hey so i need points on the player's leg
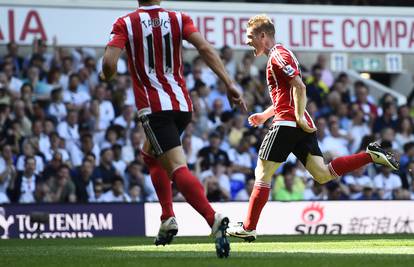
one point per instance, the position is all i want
(164, 136)
(163, 133)
(160, 180)
(309, 153)
(162, 184)
(260, 194)
(276, 147)
(258, 199)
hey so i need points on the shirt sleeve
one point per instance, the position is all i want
(188, 26)
(283, 63)
(119, 35)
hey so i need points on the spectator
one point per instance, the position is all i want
(53, 80)
(135, 193)
(237, 129)
(126, 119)
(221, 94)
(202, 92)
(135, 175)
(189, 151)
(67, 70)
(407, 156)
(133, 145)
(98, 193)
(357, 182)
(368, 192)
(213, 185)
(337, 191)
(14, 83)
(39, 138)
(119, 164)
(358, 128)
(212, 154)
(40, 89)
(106, 171)
(337, 143)
(8, 172)
(62, 188)
(326, 74)
(315, 192)
(82, 179)
(22, 189)
(106, 111)
(116, 193)
(287, 186)
(57, 108)
(242, 167)
(388, 118)
(21, 118)
(56, 145)
(226, 54)
(387, 184)
(361, 94)
(74, 96)
(407, 176)
(16, 59)
(28, 151)
(342, 86)
(404, 133)
(69, 129)
(246, 68)
(244, 194)
(53, 166)
(5, 95)
(215, 114)
(316, 89)
(26, 94)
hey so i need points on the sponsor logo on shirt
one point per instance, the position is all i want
(288, 70)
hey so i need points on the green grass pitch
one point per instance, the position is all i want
(292, 251)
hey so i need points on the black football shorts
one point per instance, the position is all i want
(280, 141)
(163, 129)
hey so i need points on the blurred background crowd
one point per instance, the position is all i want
(66, 136)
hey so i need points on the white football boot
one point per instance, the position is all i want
(380, 156)
(168, 230)
(237, 230)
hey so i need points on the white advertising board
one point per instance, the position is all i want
(290, 218)
(319, 29)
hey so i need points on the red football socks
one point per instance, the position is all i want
(162, 185)
(193, 193)
(257, 201)
(342, 165)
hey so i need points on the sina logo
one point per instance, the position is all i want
(312, 223)
(5, 224)
(312, 214)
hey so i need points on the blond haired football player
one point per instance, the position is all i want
(292, 130)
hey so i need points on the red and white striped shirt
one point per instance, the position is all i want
(282, 66)
(153, 37)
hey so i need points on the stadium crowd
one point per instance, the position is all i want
(66, 136)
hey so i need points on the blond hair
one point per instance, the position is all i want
(262, 23)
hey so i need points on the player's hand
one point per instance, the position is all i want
(303, 124)
(257, 119)
(103, 78)
(235, 98)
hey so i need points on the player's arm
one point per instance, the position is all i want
(260, 118)
(299, 97)
(109, 62)
(212, 59)
(113, 50)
